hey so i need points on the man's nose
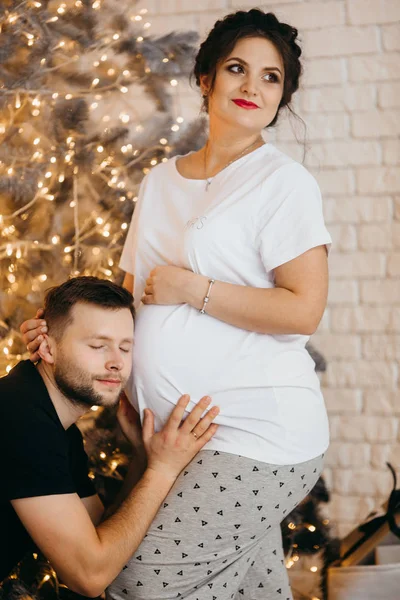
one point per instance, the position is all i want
(114, 361)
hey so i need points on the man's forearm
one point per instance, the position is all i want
(122, 533)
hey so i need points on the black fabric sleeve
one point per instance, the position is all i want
(35, 453)
(79, 464)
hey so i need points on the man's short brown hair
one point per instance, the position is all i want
(60, 299)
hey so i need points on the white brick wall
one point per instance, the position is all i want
(350, 101)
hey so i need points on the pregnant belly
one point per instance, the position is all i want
(178, 351)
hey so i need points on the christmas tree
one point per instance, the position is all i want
(89, 103)
(74, 145)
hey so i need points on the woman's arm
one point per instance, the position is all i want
(295, 305)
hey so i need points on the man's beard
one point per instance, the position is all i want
(77, 385)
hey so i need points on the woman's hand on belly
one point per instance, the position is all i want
(168, 284)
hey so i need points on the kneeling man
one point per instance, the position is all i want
(47, 499)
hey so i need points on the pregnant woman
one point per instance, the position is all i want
(227, 258)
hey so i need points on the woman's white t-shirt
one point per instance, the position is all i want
(261, 211)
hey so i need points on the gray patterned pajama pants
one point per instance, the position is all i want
(217, 535)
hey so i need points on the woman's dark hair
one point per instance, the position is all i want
(60, 299)
(244, 24)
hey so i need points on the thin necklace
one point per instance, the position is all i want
(209, 180)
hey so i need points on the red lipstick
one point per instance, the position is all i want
(245, 103)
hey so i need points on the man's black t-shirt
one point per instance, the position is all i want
(39, 457)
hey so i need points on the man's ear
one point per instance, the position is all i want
(46, 350)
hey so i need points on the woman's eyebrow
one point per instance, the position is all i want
(247, 64)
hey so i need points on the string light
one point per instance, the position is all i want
(58, 162)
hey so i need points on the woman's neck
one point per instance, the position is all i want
(224, 145)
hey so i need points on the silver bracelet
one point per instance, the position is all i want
(207, 296)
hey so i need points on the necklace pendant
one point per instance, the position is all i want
(207, 184)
